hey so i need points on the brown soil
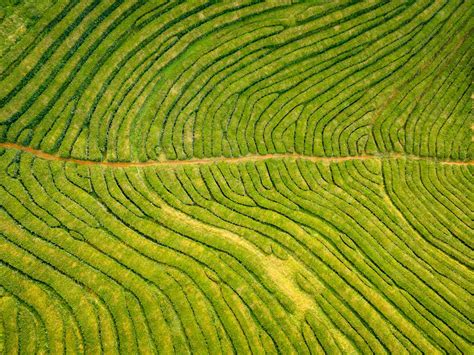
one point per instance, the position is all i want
(47, 156)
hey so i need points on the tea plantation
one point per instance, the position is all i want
(236, 177)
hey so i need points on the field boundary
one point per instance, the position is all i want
(247, 158)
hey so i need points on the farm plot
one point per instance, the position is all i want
(236, 177)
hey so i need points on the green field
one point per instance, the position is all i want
(236, 177)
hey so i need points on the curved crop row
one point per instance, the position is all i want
(236, 177)
(280, 255)
(142, 81)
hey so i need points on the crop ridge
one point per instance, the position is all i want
(210, 160)
(236, 177)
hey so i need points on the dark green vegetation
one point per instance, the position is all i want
(304, 180)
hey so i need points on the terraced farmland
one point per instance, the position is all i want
(236, 177)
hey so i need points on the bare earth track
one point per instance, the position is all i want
(253, 157)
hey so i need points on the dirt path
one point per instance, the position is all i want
(47, 156)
